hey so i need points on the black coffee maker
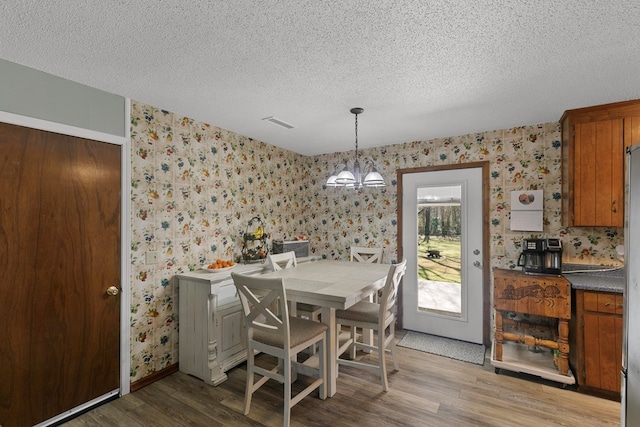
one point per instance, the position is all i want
(541, 256)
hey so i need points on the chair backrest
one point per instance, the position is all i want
(390, 291)
(262, 299)
(281, 261)
(363, 254)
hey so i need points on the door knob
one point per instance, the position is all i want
(113, 291)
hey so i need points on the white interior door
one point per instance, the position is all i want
(442, 242)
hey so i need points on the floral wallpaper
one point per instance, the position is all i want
(195, 187)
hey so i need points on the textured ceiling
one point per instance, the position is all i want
(420, 69)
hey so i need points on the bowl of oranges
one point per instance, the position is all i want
(219, 265)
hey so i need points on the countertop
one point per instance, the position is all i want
(212, 276)
(594, 277)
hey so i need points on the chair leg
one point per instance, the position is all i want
(287, 392)
(249, 387)
(392, 334)
(382, 360)
(322, 391)
(352, 348)
(293, 375)
(315, 317)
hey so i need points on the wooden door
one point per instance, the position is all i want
(60, 251)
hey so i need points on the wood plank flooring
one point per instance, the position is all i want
(428, 390)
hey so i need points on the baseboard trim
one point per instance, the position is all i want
(149, 379)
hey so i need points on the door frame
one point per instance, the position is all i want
(486, 259)
(125, 232)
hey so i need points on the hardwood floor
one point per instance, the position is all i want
(428, 390)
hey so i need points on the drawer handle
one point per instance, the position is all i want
(609, 304)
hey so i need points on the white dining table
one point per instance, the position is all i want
(331, 285)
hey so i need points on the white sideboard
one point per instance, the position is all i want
(211, 323)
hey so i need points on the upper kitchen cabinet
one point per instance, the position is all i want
(593, 146)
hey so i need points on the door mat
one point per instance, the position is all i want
(447, 347)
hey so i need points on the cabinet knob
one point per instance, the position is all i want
(614, 208)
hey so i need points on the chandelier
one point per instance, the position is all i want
(349, 179)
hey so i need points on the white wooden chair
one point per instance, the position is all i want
(280, 336)
(363, 254)
(373, 316)
(288, 260)
(281, 261)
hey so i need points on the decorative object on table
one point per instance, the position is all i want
(349, 179)
(219, 266)
(300, 246)
(254, 242)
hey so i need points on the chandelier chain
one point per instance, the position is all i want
(356, 137)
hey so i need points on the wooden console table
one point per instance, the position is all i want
(212, 337)
(211, 333)
(535, 295)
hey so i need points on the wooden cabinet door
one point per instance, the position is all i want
(593, 142)
(597, 346)
(598, 166)
(232, 336)
(631, 131)
(602, 351)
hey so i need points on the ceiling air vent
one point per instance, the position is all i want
(278, 122)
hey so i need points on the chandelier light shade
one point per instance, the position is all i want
(348, 179)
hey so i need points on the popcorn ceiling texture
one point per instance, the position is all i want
(195, 186)
(420, 69)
